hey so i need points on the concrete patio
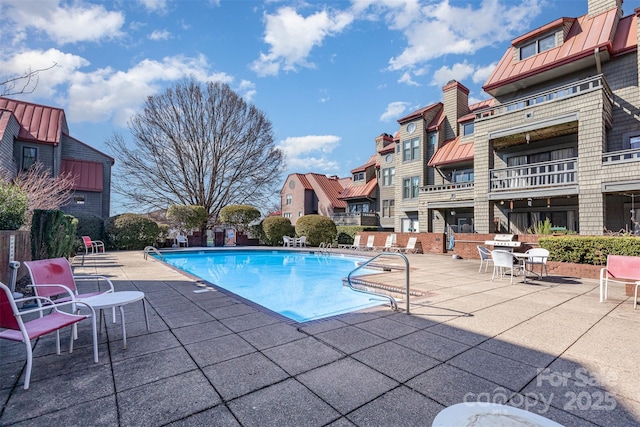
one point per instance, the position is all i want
(212, 359)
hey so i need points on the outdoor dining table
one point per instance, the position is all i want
(525, 259)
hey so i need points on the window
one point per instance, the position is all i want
(460, 176)
(388, 208)
(467, 128)
(289, 199)
(411, 150)
(29, 157)
(634, 142)
(388, 176)
(299, 214)
(538, 46)
(359, 207)
(631, 141)
(358, 176)
(78, 200)
(433, 139)
(287, 215)
(410, 187)
(415, 186)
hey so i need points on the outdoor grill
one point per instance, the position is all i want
(504, 241)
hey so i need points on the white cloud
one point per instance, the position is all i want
(160, 35)
(292, 37)
(108, 94)
(63, 23)
(482, 73)
(394, 110)
(247, 90)
(459, 72)
(159, 6)
(309, 152)
(433, 30)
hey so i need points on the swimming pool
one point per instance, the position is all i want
(302, 286)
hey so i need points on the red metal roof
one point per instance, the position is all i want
(585, 35)
(37, 122)
(419, 112)
(329, 187)
(388, 149)
(452, 152)
(626, 37)
(370, 162)
(359, 191)
(88, 175)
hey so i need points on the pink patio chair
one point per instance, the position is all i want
(92, 246)
(53, 278)
(16, 329)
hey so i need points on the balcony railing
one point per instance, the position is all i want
(557, 173)
(573, 89)
(622, 156)
(355, 218)
(447, 187)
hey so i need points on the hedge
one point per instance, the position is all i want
(589, 250)
(346, 233)
(275, 227)
(316, 228)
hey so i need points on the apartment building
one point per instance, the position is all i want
(312, 193)
(559, 139)
(360, 197)
(31, 133)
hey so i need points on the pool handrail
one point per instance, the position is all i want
(154, 250)
(394, 304)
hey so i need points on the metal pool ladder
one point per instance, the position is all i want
(394, 304)
(154, 250)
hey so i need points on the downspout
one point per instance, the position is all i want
(596, 54)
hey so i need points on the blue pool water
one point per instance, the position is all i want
(301, 286)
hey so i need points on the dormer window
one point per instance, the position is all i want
(467, 128)
(538, 46)
(358, 176)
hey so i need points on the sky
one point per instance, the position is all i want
(330, 75)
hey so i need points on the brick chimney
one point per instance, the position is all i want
(382, 141)
(456, 105)
(596, 7)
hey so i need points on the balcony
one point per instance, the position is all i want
(369, 219)
(446, 187)
(574, 89)
(554, 174)
(622, 156)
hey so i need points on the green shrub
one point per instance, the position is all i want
(90, 225)
(317, 228)
(53, 234)
(13, 206)
(132, 231)
(589, 250)
(187, 217)
(240, 216)
(276, 227)
(346, 233)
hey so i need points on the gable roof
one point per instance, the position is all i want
(419, 113)
(327, 188)
(452, 152)
(39, 123)
(359, 191)
(583, 38)
(370, 162)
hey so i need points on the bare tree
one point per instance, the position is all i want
(197, 145)
(43, 190)
(22, 83)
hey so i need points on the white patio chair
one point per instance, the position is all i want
(485, 258)
(502, 261)
(538, 256)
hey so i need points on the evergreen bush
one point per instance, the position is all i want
(275, 228)
(589, 250)
(317, 228)
(13, 206)
(132, 231)
(53, 234)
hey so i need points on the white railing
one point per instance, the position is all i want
(545, 174)
(578, 88)
(622, 156)
(447, 187)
